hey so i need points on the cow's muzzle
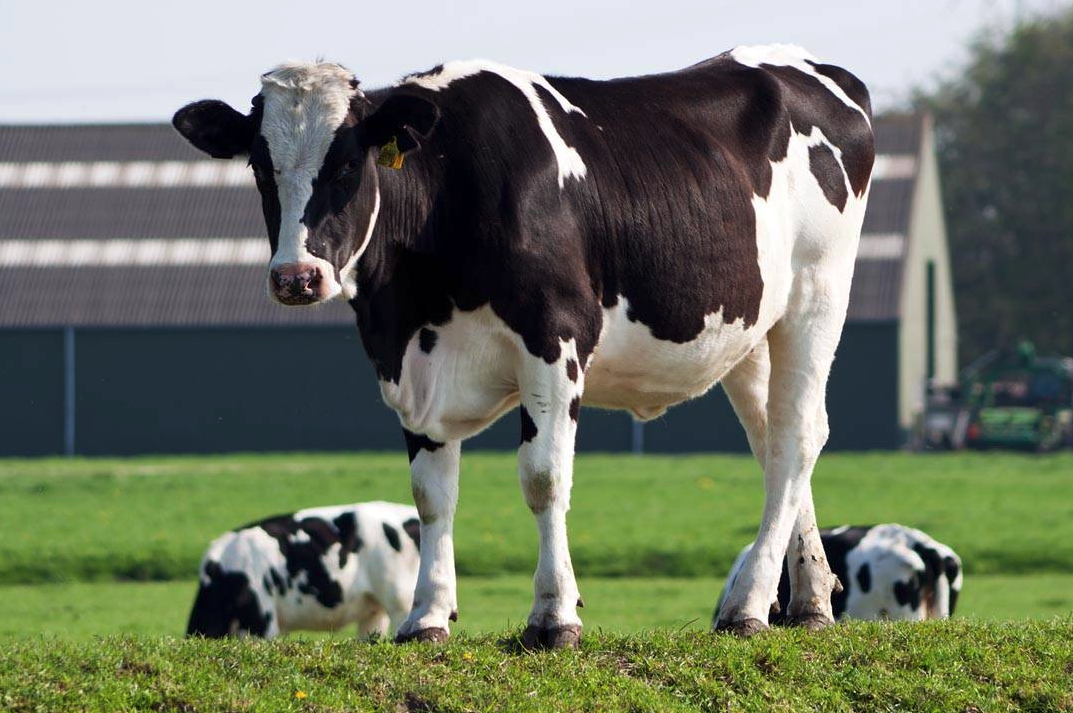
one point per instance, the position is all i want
(298, 284)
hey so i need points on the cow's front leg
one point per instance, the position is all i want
(550, 400)
(434, 479)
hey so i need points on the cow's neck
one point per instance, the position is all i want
(400, 285)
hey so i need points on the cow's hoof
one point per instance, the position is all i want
(744, 628)
(567, 636)
(811, 622)
(431, 635)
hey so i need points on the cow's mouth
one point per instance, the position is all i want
(301, 284)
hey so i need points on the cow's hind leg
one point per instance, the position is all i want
(550, 399)
(434, 479)
(801, 349)
(811, 580)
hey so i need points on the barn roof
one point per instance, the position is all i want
(126, 225)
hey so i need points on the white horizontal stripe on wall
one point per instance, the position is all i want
(240, 251)
(126, 174)
(881, 246)
(894, 166)
(134, 253)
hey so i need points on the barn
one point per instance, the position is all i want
(134, 315)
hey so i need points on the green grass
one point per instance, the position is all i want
(937, 666)
(151, 518)
(487, 604)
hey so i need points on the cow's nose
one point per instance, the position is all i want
(296, 282)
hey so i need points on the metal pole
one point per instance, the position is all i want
(69, 391)
(637, 437)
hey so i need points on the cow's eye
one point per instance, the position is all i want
(348, 169)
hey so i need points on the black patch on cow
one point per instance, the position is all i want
(416, 442)
(307, 556)
(226, 600)
(836, 547)
(952, 570)
(571, 369)
(412, 527)
(933, 568)
(908, 593)
(427, 340)
(853, 87)
(864, 578)
(810, 104)
(575, 408)
(392, 536)
(349, 539)
(529, 427)
(828, 172)
(278, 581)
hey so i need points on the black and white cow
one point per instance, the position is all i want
(555, 241)
(888, 572)
(319, 569)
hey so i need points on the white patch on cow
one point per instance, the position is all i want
(889, 552)
(793, 56)
(304, 105)
(348, 276)
(633, 370)
(464, 385)
(377, 582)
(569, 160)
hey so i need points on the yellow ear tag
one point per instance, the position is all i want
(390, 155)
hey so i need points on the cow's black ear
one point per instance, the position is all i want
(214, 127)
(405, 117)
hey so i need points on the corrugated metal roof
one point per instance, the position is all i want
(95, 142)
(218, 295)
(92, 197)
(130, 213)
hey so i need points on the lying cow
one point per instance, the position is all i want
(315, 570)
(887, 572)
(510, 241)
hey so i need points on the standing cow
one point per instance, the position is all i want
(318, 569)
(625, 243)
(887, 572)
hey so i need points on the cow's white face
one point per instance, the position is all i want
(312, 138)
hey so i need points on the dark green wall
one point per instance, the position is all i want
(217, 390)
(31, 392)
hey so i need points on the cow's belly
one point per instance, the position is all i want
(633, 370)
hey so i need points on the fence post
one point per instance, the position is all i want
(637, 437)
(69, 391)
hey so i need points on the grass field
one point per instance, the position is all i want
(936, 666)
(150, 519)
(82, 610)
(98, 548)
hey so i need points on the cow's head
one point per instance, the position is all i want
(313, 139)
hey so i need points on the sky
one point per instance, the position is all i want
(139, 60)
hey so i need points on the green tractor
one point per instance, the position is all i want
(1019, 400)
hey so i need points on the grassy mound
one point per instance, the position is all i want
(943, 666)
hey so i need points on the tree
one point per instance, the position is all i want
(1004, 134)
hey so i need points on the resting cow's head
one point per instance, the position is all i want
(313, 139)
